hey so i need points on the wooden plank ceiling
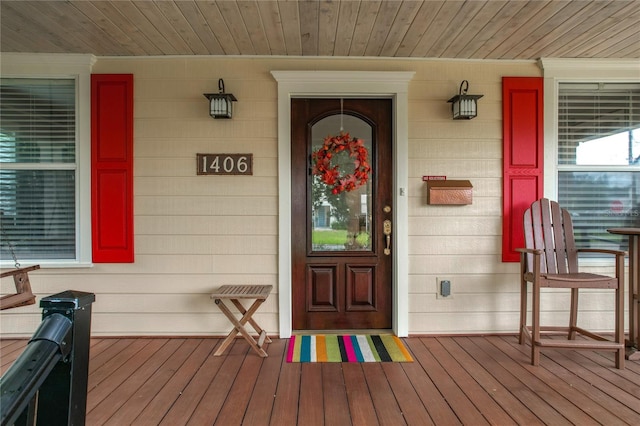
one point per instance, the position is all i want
(390, 28)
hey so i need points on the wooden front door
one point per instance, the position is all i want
(341, 236)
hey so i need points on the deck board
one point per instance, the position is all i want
(581, 392)
(111, 376)
(413, 409)
(508, 375)
(200, 363)
(454, 380)
(360, 401)
(238, 397)
(219, 388)
(334, 394)
(469, 385)
(611, 391)
(260, 406)
(384, 400)
(463, 408)
(439, 410)
(310, 405)
(9, 351)
(159, 380)
(533, 379)
(491, 385)
(285, 405)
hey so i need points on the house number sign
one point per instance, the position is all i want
(224, 164)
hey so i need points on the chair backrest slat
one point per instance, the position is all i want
(529, 239)
(559, 238)
(570, 242)
(549, 228)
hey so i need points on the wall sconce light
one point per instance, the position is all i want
(220, 104)
(463, 106)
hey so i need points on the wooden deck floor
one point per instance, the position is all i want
(454, 380)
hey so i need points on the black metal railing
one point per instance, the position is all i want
(47, 384)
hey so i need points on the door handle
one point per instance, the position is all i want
(386, 230)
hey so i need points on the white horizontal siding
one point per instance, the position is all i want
(184, 323)
(195, 233)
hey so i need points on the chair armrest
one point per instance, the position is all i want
(529, 257)
(619, 258)
(603, 251)
(529, 250)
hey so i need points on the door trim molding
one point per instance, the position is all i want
(379, 84)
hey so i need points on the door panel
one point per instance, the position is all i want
(322, 296)
(341, 262)
(361, 288)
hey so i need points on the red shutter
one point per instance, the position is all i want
(112, 167)
(523, 149)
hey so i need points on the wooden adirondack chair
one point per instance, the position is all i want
(550, 260)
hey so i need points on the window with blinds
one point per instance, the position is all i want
(599, 159)
(37, 169)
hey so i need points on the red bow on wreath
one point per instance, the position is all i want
(331, 174)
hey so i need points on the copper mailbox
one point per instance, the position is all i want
(452, 192)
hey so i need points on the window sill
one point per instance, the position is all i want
(48, 264)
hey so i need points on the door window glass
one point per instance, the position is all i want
(341, 214)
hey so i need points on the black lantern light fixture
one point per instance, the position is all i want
(220, 104)
(464, 106)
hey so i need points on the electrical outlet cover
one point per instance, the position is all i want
(442, 292)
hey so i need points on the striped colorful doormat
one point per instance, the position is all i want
(347, 348)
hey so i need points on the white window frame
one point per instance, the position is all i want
(78, 67)
(558, 71)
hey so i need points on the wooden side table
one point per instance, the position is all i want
(234, 293)
(633, 353)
